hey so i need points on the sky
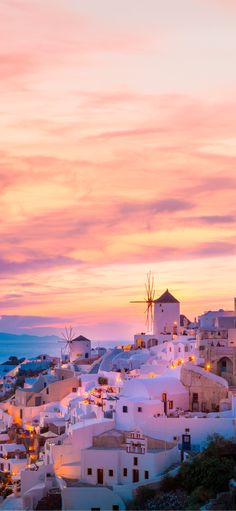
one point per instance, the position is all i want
(117, 157)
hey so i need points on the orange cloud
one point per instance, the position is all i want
(113, 159)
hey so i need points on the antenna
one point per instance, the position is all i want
(149, 300)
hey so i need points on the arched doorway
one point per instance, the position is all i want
(225, 368)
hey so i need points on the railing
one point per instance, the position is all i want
(135, 449)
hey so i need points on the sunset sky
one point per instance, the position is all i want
(117, 156)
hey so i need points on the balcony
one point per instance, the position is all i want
(135, 449)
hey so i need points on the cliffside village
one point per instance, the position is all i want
(88, 428)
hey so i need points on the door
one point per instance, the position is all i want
(135, 475)
(37, 400)
(99, 476)
(195, 403)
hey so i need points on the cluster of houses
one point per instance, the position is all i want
(86, 430)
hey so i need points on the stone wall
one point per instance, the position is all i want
(205, 393)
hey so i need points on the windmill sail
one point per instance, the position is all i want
(149, 300)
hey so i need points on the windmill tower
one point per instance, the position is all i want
(76, 348)
(149, 301)
(166, 316)
(162, 314)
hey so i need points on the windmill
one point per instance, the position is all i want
(67, 337)
(149, 300)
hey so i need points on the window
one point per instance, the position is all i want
(110, 473)
(146, 474)
(74, 389)
(164, 396)
(170, 405)
(170, 349)
(125, 409)
(21, 413)
(86, 355)
(135, 461)
(186, 430)
(115, 507)
(140, 409)
(89, 471)
(179, 350)
(47, 391)
(195, 397)
(95, 508)
(125, 472)
(9, 467)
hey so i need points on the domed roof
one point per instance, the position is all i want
(166, 297)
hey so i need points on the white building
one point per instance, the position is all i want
(80, 348)
(125, 460)
(166, 315)
(144, 398)
(64, 453)
(210, 319)
(13, 458)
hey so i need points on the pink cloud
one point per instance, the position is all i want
(102, 163)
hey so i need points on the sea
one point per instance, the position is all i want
(30, 348)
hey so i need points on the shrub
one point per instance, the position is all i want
(142, 495)
(7, 492)
(198, 497)
(170, 483)
(213, 472)
(218, 446)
